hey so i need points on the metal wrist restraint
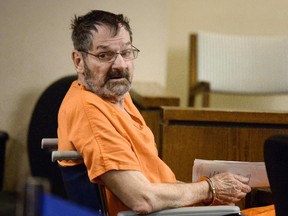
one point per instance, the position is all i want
(211, 187)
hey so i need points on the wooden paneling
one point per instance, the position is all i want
(187, 134)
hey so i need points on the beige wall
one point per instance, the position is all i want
(35, 49)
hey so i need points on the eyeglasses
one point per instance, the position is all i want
(110, 56)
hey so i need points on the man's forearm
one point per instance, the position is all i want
(138, 194)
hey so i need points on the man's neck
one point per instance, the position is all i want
(118, 102)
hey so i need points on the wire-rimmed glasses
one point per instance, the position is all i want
(110, 56)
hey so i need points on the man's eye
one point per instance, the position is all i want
(105, 55)
(126, 53)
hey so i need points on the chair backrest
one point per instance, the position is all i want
(239, 64)
(276, 156)
(43, 123)
(80, 190)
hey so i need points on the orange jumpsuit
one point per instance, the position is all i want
(108, 138)
(260, 211)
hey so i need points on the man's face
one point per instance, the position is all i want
(109, 80)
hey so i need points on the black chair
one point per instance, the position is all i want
(44, 124)
(67, 182)
(7, 198)
(276, 161)
(3, 140)
(80, 190)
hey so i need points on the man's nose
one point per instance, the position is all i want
(119, 62)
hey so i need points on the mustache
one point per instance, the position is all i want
(116, 74)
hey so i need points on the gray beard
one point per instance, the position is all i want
(112, 91)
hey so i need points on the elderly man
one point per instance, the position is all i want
(98, 119)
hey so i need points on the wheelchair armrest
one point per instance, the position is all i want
(193, 211)
(65, 155)
(49, 143)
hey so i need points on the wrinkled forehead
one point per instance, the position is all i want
(107, 37)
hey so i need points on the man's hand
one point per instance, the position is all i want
(230, 188)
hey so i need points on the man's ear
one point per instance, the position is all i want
(78, 61)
